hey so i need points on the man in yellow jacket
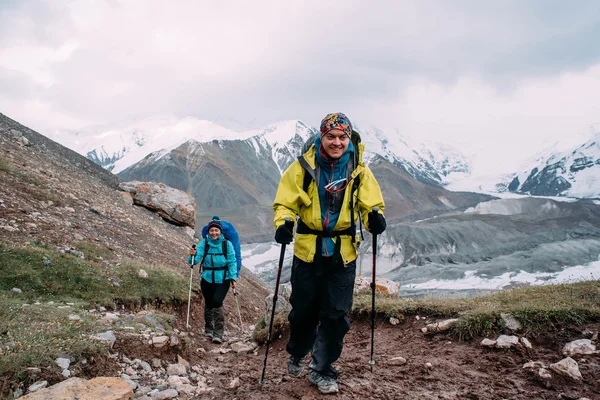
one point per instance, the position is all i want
(329, 188)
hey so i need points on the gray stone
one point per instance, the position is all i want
(567, 367)
(510, 322)
(526, 343)
(164, 394)
(176, 369)
(16, 290)
(506, 342)
(579, 347)
(107, 337)
(160, 341)
(37, 386)
(441, 326)
(63, 363)
(397, 361)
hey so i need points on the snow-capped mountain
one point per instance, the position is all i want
(574, 173)
(119, 146)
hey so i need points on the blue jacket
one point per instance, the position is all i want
(216, 268)
(231, 234)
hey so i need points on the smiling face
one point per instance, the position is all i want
(335, 142)
(214, 232)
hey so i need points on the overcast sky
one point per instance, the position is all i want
(500, 77)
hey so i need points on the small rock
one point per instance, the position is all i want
(145, 366)
(74, 317)
(182, 361)
(106, 337)
(159, 341)
(240, 347)
(441, 326)
(394, 321)
(142, 274)
(174, 340)
(220, 359)
(567, 367)
(544, 373)
(66, 373)
(526, 343)
(63, 363)
(164, 394)
(131, 383)
(534, 364)
(510, 322)
(156, 362)
(235, 383)
(397, 361)
(16, 290)
(506, 342)
(488, 343)
(176, 369)
(579, 347)
(37, 386)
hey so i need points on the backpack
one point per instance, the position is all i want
(310, 174)
(231, 234)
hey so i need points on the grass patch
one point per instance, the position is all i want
(44, 195)
(4, 165)
(92, 251)
(45, 274)
(35, 335)
(539, 309)
(280, 326)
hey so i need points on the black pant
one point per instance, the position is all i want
(214, 293)
(321, 299)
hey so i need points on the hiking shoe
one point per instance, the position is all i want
(217, 339)
(325, 384)
(209, 334)
(295, 366)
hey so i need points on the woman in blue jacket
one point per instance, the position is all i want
(219, 272)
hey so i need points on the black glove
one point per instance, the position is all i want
(283, 234)
(376, 223)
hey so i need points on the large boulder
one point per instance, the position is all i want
(81, 389)
(382, 285)
(173, 205)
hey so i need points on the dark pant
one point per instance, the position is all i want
(321, 299)
(214, 293)
(214, 317)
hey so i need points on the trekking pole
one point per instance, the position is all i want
(372, 360)
(187, 322)
(238, 308)
(290, 224)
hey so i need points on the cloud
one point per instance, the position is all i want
(467, 70)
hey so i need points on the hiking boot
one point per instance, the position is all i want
(219, 324)
(325, 384)
(209, 323)
(295, 366)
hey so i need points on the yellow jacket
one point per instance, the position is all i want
(291, 201)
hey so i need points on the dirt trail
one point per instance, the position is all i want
(459, 370)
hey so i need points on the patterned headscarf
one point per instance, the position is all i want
(336, 121)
